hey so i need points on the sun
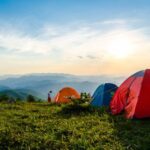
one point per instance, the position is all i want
(120, 47)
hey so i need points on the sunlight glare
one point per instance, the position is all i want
(120, 47)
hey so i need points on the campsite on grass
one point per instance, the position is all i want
(74, 75)
(80, 121)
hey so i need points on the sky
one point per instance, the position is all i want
(83, 37)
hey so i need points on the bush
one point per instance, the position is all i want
(84, 98)
(4, 97)
(30, 98)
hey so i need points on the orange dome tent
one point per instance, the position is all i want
(64, 95)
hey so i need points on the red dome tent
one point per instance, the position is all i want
(133, 96)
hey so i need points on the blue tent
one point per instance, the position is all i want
(103, 94)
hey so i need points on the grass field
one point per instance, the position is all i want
(47, 126)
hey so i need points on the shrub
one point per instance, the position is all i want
(4, 97)
(30, 98)
(84, 98)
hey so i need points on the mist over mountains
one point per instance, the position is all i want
(39, 84)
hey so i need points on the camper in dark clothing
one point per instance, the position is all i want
(49, 96)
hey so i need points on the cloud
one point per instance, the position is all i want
(88, 56)
(91, 57)
(81, 44)
(69, 41)
(116, 21)
(48, 38)
(80, 57)
(120, 21)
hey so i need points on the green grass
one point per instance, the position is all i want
(47, 126)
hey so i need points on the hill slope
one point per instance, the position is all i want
(12, 93)
(42, 83)
(45, 126)
(19, 93)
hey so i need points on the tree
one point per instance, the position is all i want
(4, 97)
(30, 98)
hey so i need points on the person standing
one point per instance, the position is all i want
(49, 96)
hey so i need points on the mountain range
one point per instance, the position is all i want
(39, 84)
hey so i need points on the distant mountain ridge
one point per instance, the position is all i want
(39, 84)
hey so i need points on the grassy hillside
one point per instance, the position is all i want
(19, 93)
(11, 93)
(45, 126)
